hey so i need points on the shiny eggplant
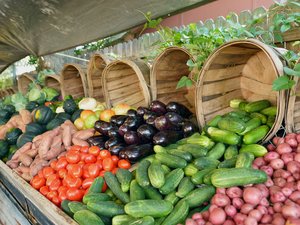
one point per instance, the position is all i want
(98, 140)
(146, 133)
(113, 141)
(103, 127)
(188, 128)
(163, 123)
(142, 110)
(132, 112)
(167, 137)
(131, 138)
(149, 114)
(114, 133)
(179, 109)
(134, 153)
(123, 129)
(133, 122)
(118, 119)
(174, 118)
(151, 121)
(158, 107)
(115, 150)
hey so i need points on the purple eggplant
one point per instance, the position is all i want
(149, 114)
(189, 128)
(112, 142)
(134, 153)
(131, 138)
(146, 133)
(118, 119)
(133, 122)
(132, 112)
(123, 129)
(151, 121)
(103, 127)
(115, 150)
(163, 123)
(142, 110)
(158, 107)
(174, 118)
(98, 140)
(114, 133)
(167, 137)
(179, 109)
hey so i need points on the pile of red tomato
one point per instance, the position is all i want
(70, 176)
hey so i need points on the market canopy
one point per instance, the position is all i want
(41, 27)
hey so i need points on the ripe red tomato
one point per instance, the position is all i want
(62, 189)
(104, 154)
(114, 170)
(94, 170)
(56, 200)
(74, 194)
(40, 174)
(47, 171)
(84, 149)
(73, 157)
(102, 172)
(90, 158)
(53, 164)
(51, 194)
(107, 164)
(104, 187)
(62, 173)
(124, 164)
(86, 183)
(76, 170)
(115, 159)
(83, 156)
(55, 184)
(75, 148)
(85, 174)
(99, 163)
(94, 150)
(62, 195)
(72, 182)
(61, 163)
(44, 190)
(51, 178)
(38, 182)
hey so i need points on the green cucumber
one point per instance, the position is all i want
(231, 151)
(270, 111)
(147, 220)
(190, 170)
(205, 162)
(114, 185)
(178, 215)
(97, 185)
(244, 160)
(159, 149)
(65, 208)
(86, 217)
(152, 193)
(124, 177)
(223, 136)
(185, 140)
(257, 106)
(95, 197)
(256, 135)
(76, 206)
(197, 178)
(260, 116)
(200, 195)
(214, 121)
(228, 163)
(202, 140)
(237, 177)
(217, 151)
(122, 219)
(232, 124)
(172, 181)
(238, 114)
(255, 149)
(171, 161)
(271, 121)
(156, 174)
(207, 177)
(106, 208)
(136, 191)
(242, 105)
(185, 186)
(234, 103)
(172, 197)
(251, 124)
(187, 156)
(165, 169)
(141, 175)
(196, 150)
(158, 221)
(154, 208)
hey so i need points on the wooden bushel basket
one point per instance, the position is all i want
(96, 66)
(23, 82)
(73, 81)
(53, 81)
(239, 69)
(167, 70)
(126, 81)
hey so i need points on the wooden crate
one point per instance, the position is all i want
(239, 69)
(73, 81)
(23, 82)
(96, 66)
(126, 81)
(37, 208)
(167, 70)
(53, 81)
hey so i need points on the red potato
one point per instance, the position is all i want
(293, 221)
(269, 182)
(237, 203)
(298, 149)
(271, 147)
(278, 220)
(25, 159)
(239, 218)
(291, 135)
(67, 136)
(298, 138)
(255, 167)
(259, 161)
(270, 156)
(190, 222)
(268, 170)
(284, 148)
(291, 141)
(217, 216)
(220, 200)
(287, 157)
(277, 164)
(277, 207)
(296, 176)
(79, 142)
(264, 202)
(295, 196)
(221, 191)
(255, 213)
(277, 197)
(271, 210)
(205, 215)
(281, 173)
(298, 185)
(274, 189)
(234, 192)
(275, 140)
(264, 190)
(291, 211)
(293, 167)
(297, 157)
(291, 185)
(197, 216)
(289, 202)
(252, 195)
(212, 207)
(266, 218)
(250, 221)
(280, 182)
(200, 221)
(262, 209)
(290, 179)
(229, 222)
(287, 191)
(230, 210)
(246, 208)
(209, 223)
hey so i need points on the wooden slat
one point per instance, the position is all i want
(224, 73)
(221, 86)
(123, 92)
(220, 112)
(130, 99)
(256, 86)
(112, 85)
(172, 74)
(231, 59)
(239, 50)
(113, 74)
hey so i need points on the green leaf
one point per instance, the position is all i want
(291, 72)
(190, 63)
(282, 83)
(295, 3)
(285, 27)
(297, 67)
(184, 82)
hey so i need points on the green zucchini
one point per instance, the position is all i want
(185, 186)
(257, 106)
(256, 135)
(223, 136)
(260, 116)
(270, 111)
(200, 195)
(178, 215)
(136, 191)
(172, 197)
(86, 217)
(95, 197)
(172, 181)
(154, 208)
(190, 170)
(232, 124)
(171, 161)
(214, 121)
(255, 149)
(114, 185)
(205, 162)
(156, 174)
(106, 208)
(228, 163)
(237, 177)
(230, 152)
(217, 151)
(152, 193)
(124, 177)
(197, 178)
(195, 149)
(141, 175)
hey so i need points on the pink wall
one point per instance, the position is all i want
(213, 10)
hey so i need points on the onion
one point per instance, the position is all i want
(284, 148)
(217, 216)
(252, 195)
